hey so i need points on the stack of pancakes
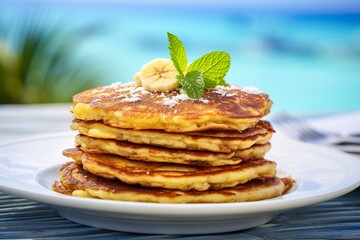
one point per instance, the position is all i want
(136, 145)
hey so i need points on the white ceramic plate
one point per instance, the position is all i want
(29, 167)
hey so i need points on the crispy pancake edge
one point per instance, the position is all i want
(172, 176)
(213, 141)
(150, 153)
(73, 176)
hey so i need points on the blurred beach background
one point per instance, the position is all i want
(304, 54)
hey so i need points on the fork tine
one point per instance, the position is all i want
(299, 127)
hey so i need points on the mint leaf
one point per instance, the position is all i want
(213, 66)
(177, 53)
(211, 83)
(222, 82)
(193, 84)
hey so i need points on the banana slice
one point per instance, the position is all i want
(137, 80)
(159, 75)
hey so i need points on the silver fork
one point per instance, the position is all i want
(300, 129)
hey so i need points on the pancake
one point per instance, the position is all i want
(157, 154)
(260, 127)
(172, 176)
(214, 141)
(256, 151)
(129, 106)
(78, 182)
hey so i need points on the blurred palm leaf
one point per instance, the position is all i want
(38, 62)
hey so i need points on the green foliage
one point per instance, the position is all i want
(38, 61)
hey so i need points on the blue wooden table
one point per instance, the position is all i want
(24, 219)
(335, 219)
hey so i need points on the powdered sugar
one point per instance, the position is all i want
(223, 93)
(129, 91)
(131, 99)
(96, 91)
(251, 90)
(139, 90)
(118, 85)
(172, 101)
(224, 90)
(203, 100)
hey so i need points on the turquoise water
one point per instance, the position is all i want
(306, 62)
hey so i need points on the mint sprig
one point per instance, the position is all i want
(205, 72)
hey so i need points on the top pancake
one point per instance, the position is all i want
(129, 106)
